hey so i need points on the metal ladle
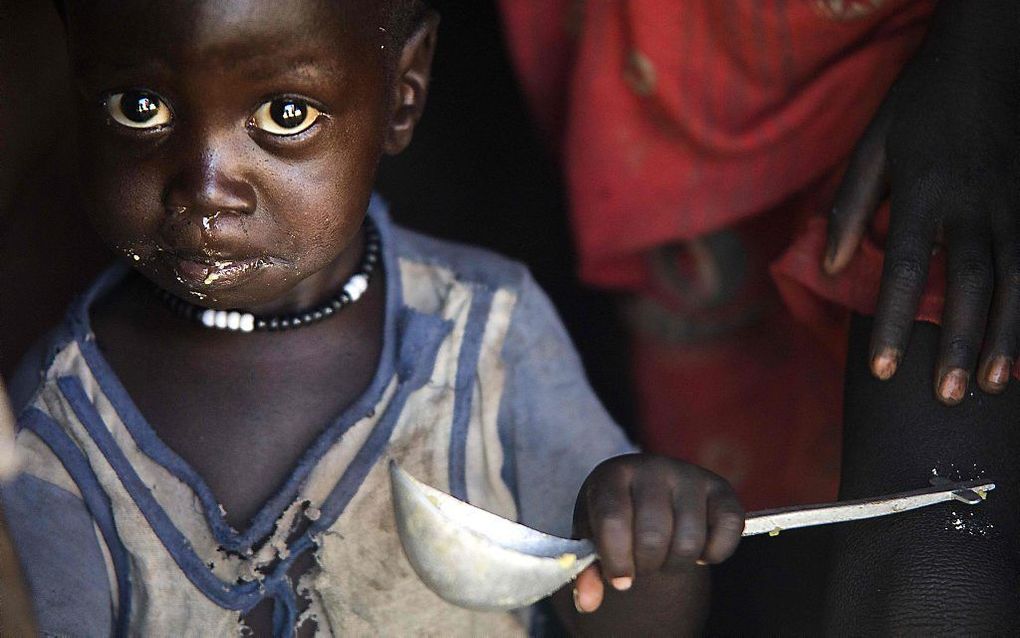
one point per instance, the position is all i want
(478, 560)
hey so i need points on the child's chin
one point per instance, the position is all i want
(219, 275)
(225, 286)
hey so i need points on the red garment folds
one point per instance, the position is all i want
(702, 141)
(675, 118)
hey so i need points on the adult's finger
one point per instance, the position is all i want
(1002, 341)
(904, 274)
(725, 526)
(968, 294)
(653, 523)
(859, 194)
(611, 519)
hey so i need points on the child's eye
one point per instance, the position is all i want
(285, 116)
(138, 109)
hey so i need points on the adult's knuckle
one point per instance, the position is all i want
(973, 277)
(1011, 277)
(905, 272)
(960, 347)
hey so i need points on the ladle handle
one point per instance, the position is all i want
(776, 520)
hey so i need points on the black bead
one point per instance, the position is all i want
(260, 324)
(274, 323)
(317, 315)
(345, 298)
(336, 304)
(306, 318)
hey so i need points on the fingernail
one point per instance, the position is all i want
(701, 561)
(998, 372)
(577, 603)
(830, 256)
(622, 583)
(953, 386)
(884, 364)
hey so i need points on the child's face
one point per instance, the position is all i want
(230, 146)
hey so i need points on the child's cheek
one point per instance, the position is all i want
(317, 205)
(124, 204)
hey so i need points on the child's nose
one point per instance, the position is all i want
(208, 187)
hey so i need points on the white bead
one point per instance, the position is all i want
(221, 318)
(247, 322)
(209, 318)
(356, 286)
(234, 320)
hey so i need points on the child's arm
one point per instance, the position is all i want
(558, 471)
(944, 145)
(656, 523)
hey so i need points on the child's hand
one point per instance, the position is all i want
(944, 144)
(648, 514)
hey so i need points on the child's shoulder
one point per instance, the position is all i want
(457, 262)
(436, 275)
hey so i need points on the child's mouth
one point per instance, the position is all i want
(217, 274)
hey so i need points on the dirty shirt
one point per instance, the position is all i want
(478, 392)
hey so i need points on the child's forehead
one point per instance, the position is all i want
(224, 33)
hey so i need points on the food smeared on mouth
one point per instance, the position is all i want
(219, 273)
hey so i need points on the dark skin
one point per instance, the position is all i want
(944, 570)
(944, 147)
(186, 178)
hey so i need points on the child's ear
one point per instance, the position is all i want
(411, 85)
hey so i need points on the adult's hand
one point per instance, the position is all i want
(944, 144)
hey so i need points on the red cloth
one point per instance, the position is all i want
(675, 118)
(701, 141)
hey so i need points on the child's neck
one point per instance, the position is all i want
(227, 402)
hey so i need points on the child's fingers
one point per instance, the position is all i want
(725, 525)
(611, 518)
(689, 524)
(653, 523)
(588, 590)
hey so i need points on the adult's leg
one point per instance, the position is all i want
(945, 569)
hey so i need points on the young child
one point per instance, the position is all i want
(205, 439)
